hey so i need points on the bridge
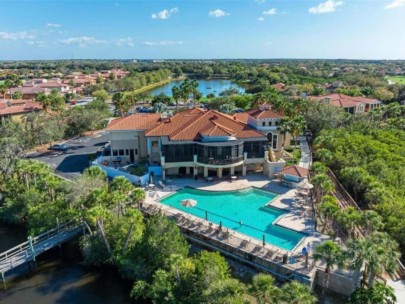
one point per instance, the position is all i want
(34, 246)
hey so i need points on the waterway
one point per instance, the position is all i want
(206, 86)
(59, 277)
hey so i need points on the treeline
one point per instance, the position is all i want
(150, 251)
(136, 80)
(368, 156)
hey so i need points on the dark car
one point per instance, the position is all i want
(58, 147)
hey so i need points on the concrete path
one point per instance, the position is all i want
(399, 288)
(306, 156)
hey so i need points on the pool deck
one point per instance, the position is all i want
(296, 219)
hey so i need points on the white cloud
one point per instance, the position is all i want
(16, 36)
(124, 42)
(165, 14)
(270, 12)
(162, 43)
(395, 4)
(37, 43)
(53, 25)
(325, 7)
(217, 13)
(82, 41)
(260, 18)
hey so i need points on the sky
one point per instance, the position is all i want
(202, 29)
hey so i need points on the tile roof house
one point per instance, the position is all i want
(352, 105)
(196, 142)
(16, 109)
(293, 175)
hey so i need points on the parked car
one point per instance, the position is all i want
(58, 147)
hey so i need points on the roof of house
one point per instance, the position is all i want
(345, 101)
(195, 123)
(19, 106)
(279, 86)
(264, 113)
(137, 121)
(295, 171)
(27, 90)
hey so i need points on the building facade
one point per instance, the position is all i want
(203, 143)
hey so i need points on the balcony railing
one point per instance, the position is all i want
(214, 161)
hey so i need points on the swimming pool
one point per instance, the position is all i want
(244, 211)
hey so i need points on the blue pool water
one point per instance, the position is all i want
(235, 207)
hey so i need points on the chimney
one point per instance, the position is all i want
(327, 100)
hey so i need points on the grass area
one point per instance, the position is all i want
(397, 79)
(155, 85)
(296, 152)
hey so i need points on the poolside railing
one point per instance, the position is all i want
(277, 261)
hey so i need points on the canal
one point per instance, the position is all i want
(59, 278)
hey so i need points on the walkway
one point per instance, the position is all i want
(29, 250)
(306, 156)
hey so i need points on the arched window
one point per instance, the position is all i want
(273, 140)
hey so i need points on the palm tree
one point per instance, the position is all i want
(297, 293)
(323, 185)
(284, 128)
(379, 293)
(176, 93)
(264, 289)
(381, 254)
(329, 209)
(3, 89)
(121, 103)
(371, 221)
(297, 125)
(332, 254)
(120, 188)
(349, 218)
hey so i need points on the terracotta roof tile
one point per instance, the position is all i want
(19, 106)
(345, 101)
(194, 123)
(264, 113)
(135, 122)
(295, 171)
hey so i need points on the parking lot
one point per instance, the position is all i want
(71, 162)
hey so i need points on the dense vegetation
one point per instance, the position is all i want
(149, 251)
(368, 156)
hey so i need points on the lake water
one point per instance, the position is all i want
(206, 86)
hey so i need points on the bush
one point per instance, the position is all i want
(138, 170)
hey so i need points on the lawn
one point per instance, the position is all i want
(397, 79)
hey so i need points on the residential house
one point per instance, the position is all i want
(15, 110)
(352, 105)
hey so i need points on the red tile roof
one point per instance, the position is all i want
(243, 117)
(264, 113)
(279, 86)
(19, 106)
(345, 101)
(135, 122)
(28, 90)
(295, 171)
(194, 123)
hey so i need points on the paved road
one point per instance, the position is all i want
(74, 160)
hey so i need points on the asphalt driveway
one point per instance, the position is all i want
(75, 159)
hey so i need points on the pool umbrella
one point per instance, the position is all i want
(188, 202)
(305, 185)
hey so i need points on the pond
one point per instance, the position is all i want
(206, 86)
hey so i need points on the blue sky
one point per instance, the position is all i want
(65, 29)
